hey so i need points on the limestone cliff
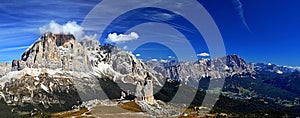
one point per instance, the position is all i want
(55, 51)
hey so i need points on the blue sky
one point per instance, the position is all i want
(259, 31)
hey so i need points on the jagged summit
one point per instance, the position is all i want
(235, 61)
(54, 51)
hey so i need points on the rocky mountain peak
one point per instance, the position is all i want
(54, 51)
(236, 62)
(59, 39)
(90, 43)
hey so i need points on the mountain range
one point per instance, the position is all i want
(57, 72)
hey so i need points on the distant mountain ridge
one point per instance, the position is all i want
(221, 67)
(191, 72)
(273, 68)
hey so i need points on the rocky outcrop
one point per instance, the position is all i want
(18, 65)
(144, 91)
(4, 68)
(131, 68)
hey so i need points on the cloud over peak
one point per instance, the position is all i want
(119, 38)
(70, 27)
(204, 54)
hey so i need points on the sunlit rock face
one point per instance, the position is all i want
(55, 51)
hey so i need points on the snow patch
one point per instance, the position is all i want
(45, 88)
(279, 72)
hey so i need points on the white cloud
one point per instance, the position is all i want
(70, 27)
(170, 57)
(162, 16)
(204, 54)
(138, 55)
(164, 61)
(119, 38)
(155, 60)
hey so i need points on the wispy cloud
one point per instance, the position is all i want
(12, 49)
(239, 7)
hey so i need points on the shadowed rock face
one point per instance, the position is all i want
(18, 65)
(62, 40)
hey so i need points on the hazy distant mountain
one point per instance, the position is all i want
(191, 72)
(260, 67)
